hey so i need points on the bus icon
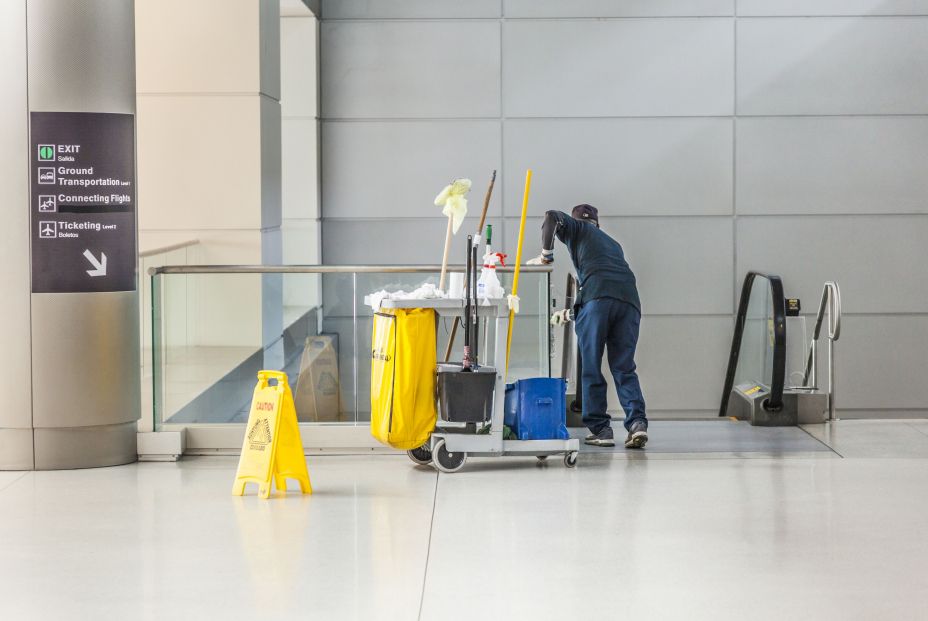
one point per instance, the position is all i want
(48, 203)
(48, 230)
(46, 176)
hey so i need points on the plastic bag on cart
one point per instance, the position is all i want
(403, 361)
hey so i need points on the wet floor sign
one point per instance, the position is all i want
(272, 451)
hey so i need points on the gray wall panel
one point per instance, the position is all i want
(681, 362)
(400, 9)
(269, 20)
(623, 166)
(832, 66)
(395, 242)
(271, 164)
(594, 67)
(880, 363)
(630, 105)
(410, 69)
(81, 56)
(683, 266)
(396, 168)
(832, 165)
(618, 8)
(832, 7)
(877, 261)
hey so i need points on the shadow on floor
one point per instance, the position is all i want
(713, 436)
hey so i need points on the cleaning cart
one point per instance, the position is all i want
(452, 441)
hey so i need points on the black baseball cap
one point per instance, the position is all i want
(585, 212)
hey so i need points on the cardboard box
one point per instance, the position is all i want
(317, 395)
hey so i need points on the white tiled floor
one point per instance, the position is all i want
(699, 536)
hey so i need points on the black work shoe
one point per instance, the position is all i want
(637, 436)
(603, 438)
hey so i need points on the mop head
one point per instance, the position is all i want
(453, 199)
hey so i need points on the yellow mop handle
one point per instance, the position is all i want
(515, 278)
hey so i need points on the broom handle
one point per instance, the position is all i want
(444, 259)
(483, 219)
(515, 277)
(454, 333)
(486, 204)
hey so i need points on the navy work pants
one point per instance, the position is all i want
(607, 324)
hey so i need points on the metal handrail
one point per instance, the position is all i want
(778, 373)
(326, 269)
(151, 252)
(831, 303)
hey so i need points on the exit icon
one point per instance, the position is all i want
(46, 153)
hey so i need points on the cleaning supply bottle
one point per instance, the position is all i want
(488, 287)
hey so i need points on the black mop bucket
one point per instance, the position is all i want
(465, 397)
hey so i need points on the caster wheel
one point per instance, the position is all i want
(447, 461)
(541, 458)
(570, 459)
(421, 455)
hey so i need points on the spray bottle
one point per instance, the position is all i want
(488, 286)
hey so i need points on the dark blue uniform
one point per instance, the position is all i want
(608, 313)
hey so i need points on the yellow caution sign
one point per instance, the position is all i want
(272, 450)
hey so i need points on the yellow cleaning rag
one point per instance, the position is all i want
(452, 198)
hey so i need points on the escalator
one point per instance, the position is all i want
(772, 376)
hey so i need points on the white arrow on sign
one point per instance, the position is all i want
(99, 267)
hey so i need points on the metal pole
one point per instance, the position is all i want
(831, 380)
(814, 374)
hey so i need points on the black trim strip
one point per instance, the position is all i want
(775, 401)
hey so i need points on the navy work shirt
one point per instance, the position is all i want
(602, 270)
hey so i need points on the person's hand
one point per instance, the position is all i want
(513, 302)
(561, 317)
(545, 258)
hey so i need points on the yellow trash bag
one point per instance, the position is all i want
(403, 361)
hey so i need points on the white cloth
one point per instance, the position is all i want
(427, 291)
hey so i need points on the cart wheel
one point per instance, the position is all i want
(446, 461)
(570, 459)
(421, 455)
(541, 457)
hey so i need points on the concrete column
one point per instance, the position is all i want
(299, 89)
(69, 364)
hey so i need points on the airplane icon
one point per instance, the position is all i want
(48, 203)
(48, 230)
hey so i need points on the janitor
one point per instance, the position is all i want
(607, 315)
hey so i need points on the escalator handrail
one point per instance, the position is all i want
(775, 400)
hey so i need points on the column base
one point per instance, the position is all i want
(85, 447)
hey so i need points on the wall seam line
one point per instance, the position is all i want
(734, 163)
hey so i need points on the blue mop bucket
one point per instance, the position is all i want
(536, 408)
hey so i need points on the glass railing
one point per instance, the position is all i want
(758, 350)
(214, 328)
(185, 252)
